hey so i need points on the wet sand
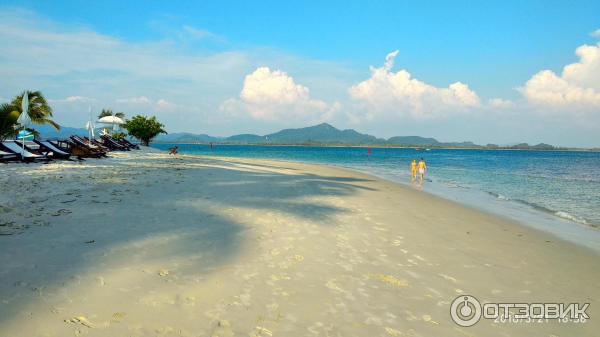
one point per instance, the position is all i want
(146, 244)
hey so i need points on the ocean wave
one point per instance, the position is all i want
(499, 196)
(560, 214)
(537, 207)
(571, 217)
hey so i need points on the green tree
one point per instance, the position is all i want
(8, 120)
(39, 111)
(109, 112)
(144, 128)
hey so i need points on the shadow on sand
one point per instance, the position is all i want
(163, 209)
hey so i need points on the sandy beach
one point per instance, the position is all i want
(146, 244)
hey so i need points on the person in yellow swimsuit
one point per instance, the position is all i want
(413, 169)
(422, 168)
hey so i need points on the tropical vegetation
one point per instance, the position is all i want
(39, 112)
(144, 128)
(8, 120)
(109, 112)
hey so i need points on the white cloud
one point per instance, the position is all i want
(596, 33)
(142, 103)
(386, 92)
(182, 67)
(273, 95)
(500, 103)
(164, 105)
(576, 88)
(140, 100)
(71, 99)
(198, 34)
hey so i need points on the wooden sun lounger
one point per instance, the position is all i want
(24, 154)
(81, 149)
(8, 156)
(97, 144)
(113, 145)
(55, 150)
(128, 144)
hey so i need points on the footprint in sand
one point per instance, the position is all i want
(223, 329)
(80, 320)
(391, 280)
(117, 317)
(392, 332)
(427, 318)
(262, 331)
(448, 278)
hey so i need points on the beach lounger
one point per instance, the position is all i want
(128, 143)
(113, 145)
(81, 149)
(24, 154)
(55, 150)
(8, 156)
(85, 143)
(97, 143)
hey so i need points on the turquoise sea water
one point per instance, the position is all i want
(550, 188)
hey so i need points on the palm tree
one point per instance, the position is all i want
(39, 111)
(109, 112)
(8, 119)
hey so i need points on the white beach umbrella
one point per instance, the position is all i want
(111, 120)
(24, 119)
(114, 120)
(90, 125)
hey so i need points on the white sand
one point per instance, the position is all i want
(144, 244)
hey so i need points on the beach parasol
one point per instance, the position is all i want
(111, 120)
(24, 120)
(90, 125)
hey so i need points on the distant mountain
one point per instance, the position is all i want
(186, 137)
(322, 133)
(525, 146)
(48, 132)
(246, 139)
(459, 144)
(412, 140)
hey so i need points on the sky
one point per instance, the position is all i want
(489, 72)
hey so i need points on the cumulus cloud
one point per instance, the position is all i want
(273, 95)
(183, 68)
(71, 99)
(141, 100)
(577, 87)
(500, 103)
(386, 92)
(596, 33)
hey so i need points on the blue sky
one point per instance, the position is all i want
(317, 57)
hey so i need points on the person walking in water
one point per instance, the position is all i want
(413, 170)
(422, 168)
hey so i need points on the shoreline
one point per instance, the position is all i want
(150, 244)
(593, 150)
(527, 214)
(561, 228)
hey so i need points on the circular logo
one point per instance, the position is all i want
(465, 310)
